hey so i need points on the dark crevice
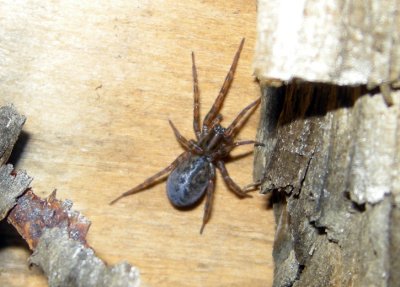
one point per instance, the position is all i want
(305, 173)
(360, 207)
(299, 272)
(321, 230)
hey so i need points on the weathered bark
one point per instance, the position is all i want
(68, 262)
(56, 233)
(338, 42)
(11, 123)
(12, 184)
(333, 166)
(332, 152)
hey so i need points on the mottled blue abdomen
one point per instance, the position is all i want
(188, 181)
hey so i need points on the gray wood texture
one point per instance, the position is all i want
(11, 185)
(340, 42)
(333, 168)
(332, 157)
(11, 123)
(67, 262)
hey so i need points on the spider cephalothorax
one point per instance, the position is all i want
(193, 172)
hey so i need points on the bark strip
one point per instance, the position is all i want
(55, 232)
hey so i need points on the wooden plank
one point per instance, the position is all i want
(98, 83)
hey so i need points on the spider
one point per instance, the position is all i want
(192, 173)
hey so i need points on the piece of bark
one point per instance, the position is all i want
(56, 233)
(68, 262)
(33, 215)
(11, 123)
(332, 157)
(333, 166)
(338, 42)
(12, 185)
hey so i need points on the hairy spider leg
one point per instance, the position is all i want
(229, 132)
(224, 89)
(149, 181)
(252, 186)
(209, 198)
(229, 181)
(228, 148)
(238, 143)
(196, 100)
(217, 120)
(188, 145)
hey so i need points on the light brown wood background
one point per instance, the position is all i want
(98, 83)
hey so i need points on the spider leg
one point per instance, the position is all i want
(231, 128)
(209, 199)
(224, 90)
(153, 178)
(229, 181)
(189, 145)
(235, 144)
(196, 102)
(228, 148)
(216, 121)
(252, 186)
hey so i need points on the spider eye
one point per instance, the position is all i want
(219, 129)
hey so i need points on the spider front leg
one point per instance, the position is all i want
(209, 198)
(188, 145)
(252, 186)
(220, 153)
(148, 182)
(229, 181)
(236, 124)
(196, 100)
(224, 89)
(256, 143)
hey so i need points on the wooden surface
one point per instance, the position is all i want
(334, 168)
(337, 42)
(98, 83)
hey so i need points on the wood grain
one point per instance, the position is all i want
(332, 42)
(98, 83)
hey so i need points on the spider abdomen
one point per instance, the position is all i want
(188, 182)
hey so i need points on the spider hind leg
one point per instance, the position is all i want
(153, 179)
